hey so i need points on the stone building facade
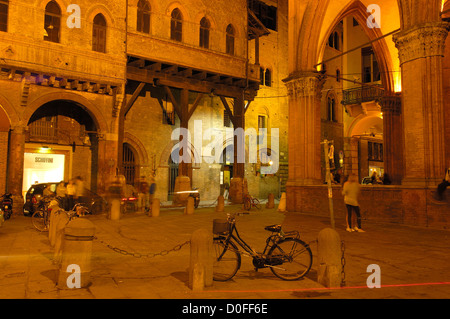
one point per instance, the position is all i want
(102, 86)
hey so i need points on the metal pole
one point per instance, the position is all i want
(328, 178)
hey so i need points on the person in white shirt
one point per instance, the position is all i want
(351, 192)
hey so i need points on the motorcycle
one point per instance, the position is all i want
(6, 205)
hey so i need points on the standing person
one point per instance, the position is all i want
(61, 191)
(143, 194)
(351, 192)
(71, 191)
(152, 190)
(80, 192)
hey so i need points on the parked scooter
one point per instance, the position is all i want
(6, 205)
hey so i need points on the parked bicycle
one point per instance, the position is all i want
(41, 218)
(288, 257)
(250, 201)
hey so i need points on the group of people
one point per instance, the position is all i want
(71, 193)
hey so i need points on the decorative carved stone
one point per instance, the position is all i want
(422, 41)
(391, 104)
(305, 84)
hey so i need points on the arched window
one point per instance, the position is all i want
(205, 26)
(176, 25)
(4, 15)
(331, 109)
(143, 17)
(229, 47)
(129, 164)
(336, 41)
(99, 34)
(52, 23)
(268, 78)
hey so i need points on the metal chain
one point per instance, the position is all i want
(139, 255)
(343, 264)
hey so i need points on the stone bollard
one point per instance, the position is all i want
(115, 212)
(189, 206)
(61, 221)
(201, 261)
(156, 205)
(329, 258)
(76, 254)
(220, 204)
(282, 204)
(54, 209)
(270, 201)
(54, 218)
(51, 227)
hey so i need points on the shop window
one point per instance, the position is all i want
(205, 27)
(230, 38)
(4, 15)
(99, 34)
(176, 25)
(52, 23)
(375, 151)
(143, 17)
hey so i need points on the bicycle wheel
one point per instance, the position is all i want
(227, 260)
(295, 259)
(39, 221)
(247, 203)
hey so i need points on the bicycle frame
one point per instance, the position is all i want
(270, 241)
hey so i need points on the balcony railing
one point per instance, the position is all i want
(362, 94)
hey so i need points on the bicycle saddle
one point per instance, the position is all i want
(273, 228)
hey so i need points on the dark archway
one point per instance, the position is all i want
(65, 127)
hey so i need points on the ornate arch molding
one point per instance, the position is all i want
(10, 112)
(138, 147)
(358, 11)
(88, 106)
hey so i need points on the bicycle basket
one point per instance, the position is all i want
(221, 226)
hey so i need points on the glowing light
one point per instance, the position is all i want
(44, 150)
(397, 82)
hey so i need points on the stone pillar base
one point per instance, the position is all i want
(182, 184)
(238, 188)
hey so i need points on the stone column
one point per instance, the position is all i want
(392, 137)
(238, 184)
(421, 49)
(107, 161)
(15, 167)
(351, 156)
(304, 92)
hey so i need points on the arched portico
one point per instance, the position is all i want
(412, 106)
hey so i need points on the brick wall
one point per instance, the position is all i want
(392, 204)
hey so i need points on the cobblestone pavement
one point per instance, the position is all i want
(414, 261)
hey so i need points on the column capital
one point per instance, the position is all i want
(305, 84)
(423, 41)
(391, 103)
